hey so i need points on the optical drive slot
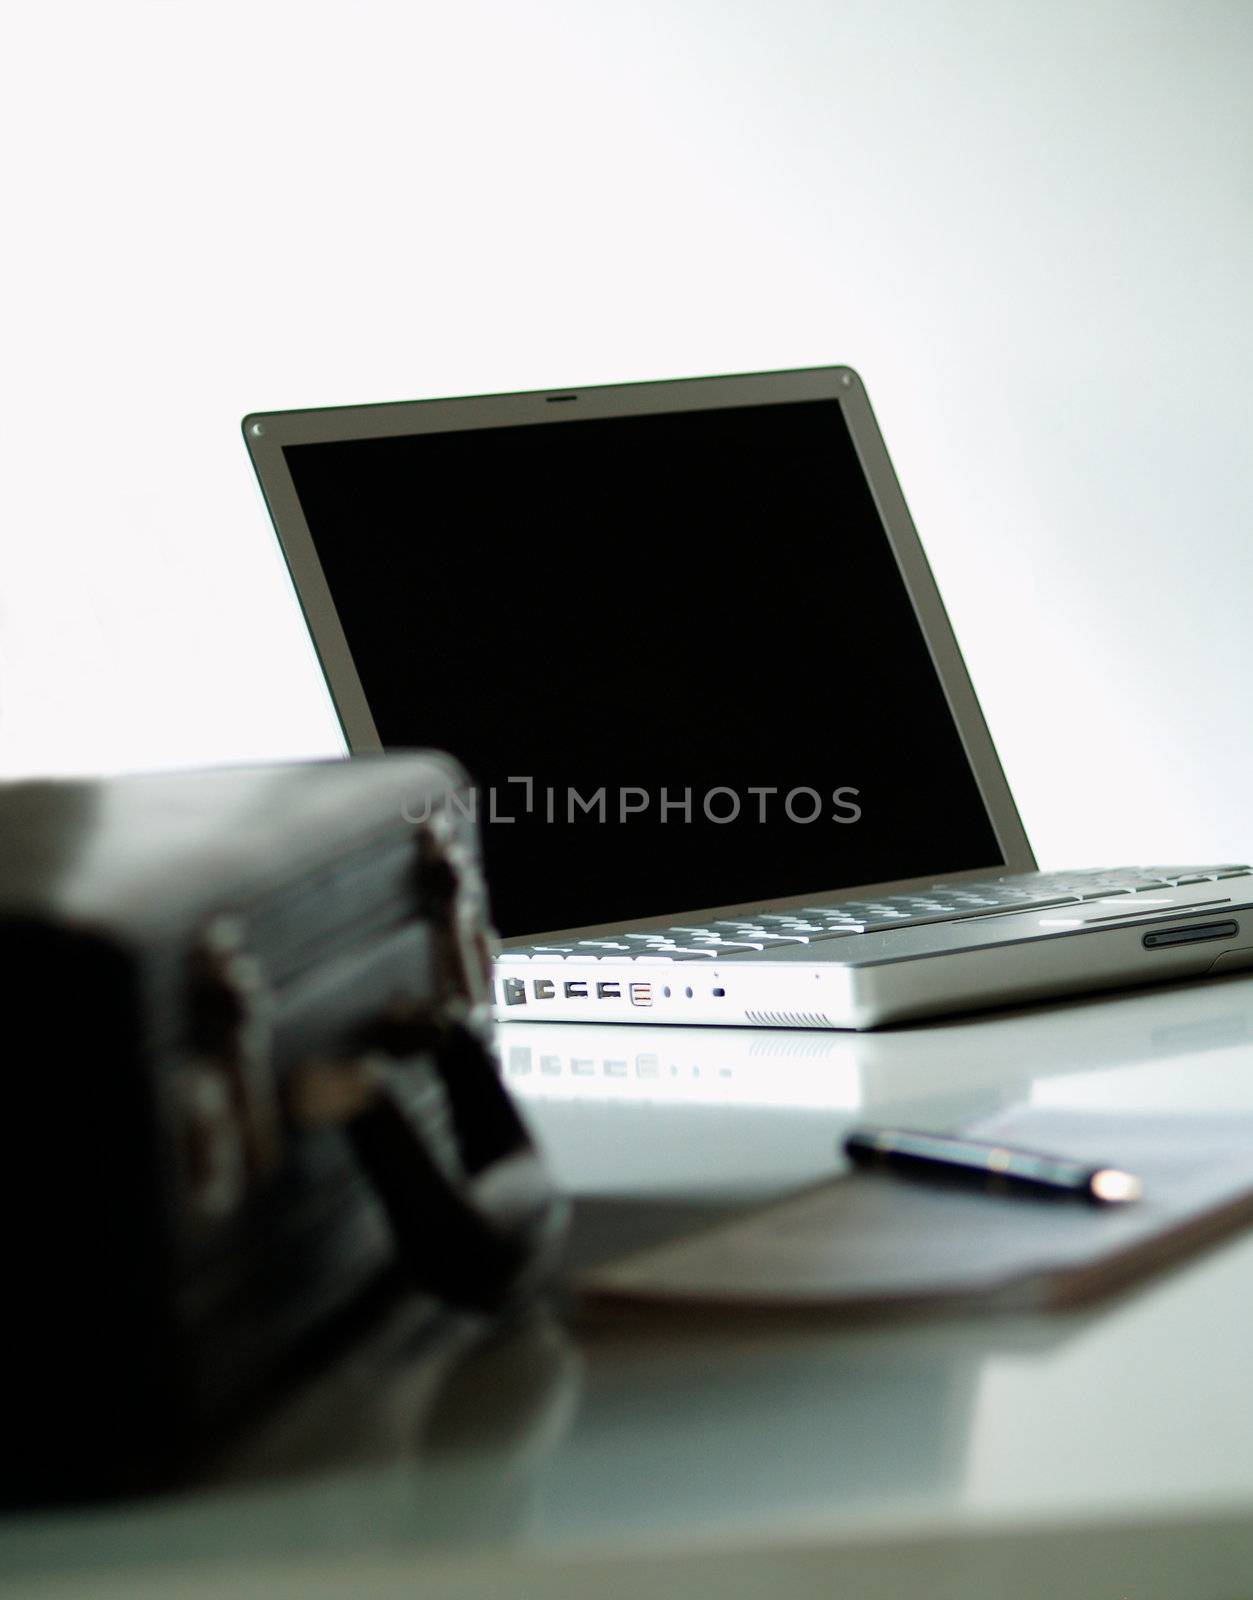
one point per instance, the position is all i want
(1195, 933)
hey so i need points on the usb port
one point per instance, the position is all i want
(515, 991)
(576, 991)
(641, 994)
(609, 991)
(544, 988)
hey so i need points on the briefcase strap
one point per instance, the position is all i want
(476, 1221)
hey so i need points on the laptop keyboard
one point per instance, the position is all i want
(841, 919)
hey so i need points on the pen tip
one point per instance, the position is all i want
(1113, 1186)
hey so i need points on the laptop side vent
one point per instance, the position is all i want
(789, 1019)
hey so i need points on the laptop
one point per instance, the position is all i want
(729, 766)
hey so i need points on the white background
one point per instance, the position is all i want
(1029, 226)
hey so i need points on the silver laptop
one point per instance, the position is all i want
(729, 765)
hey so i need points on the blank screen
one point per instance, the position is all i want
(674, 651)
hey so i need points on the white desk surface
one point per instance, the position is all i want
(1104, 1452)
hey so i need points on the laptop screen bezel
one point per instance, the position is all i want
(268, 434)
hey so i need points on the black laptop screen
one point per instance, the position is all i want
(674, 651)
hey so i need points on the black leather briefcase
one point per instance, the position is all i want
(250, 1072)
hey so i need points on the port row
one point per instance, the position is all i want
(514, 991)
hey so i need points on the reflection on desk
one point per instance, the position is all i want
(920, 1457)
(728, 1114)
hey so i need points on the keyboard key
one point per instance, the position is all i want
(729, 944)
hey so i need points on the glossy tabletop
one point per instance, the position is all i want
(1111, 1446)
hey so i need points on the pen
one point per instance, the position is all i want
(990, 1165)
